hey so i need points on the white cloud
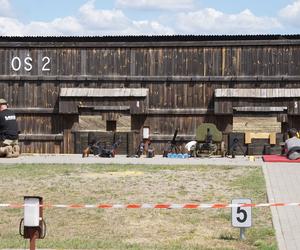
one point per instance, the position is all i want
(11, 27)
(148, 28)
(291, 13)
(211, 21)
(58, 27)
(5, 8)
(156, 4)
(90, 21)
(93, 21)
(114, 22)
(102, 19)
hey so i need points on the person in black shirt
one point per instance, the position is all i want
(8, 123)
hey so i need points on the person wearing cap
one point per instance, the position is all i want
(8, 123)
(292, 145)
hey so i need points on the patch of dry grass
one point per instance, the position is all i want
(140, 228)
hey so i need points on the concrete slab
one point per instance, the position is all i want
(122, 159)
(282, 180)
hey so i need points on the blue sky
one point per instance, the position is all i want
(148, 17)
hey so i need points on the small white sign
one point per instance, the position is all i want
(146, 132)
(241, 216)
(31, 212)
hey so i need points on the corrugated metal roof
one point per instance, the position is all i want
(93, 92)
(169, 38)
(257, 93)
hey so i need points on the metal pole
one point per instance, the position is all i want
(242, 233)
(33, 236)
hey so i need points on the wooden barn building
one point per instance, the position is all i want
(62, 88)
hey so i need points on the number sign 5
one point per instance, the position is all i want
(241, 216)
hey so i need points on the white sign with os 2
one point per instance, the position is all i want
(241, 216)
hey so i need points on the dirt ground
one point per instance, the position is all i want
(136, 228)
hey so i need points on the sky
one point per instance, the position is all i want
(148, 17)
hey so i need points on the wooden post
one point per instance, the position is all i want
(33, 236)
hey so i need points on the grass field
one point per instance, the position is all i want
(136, 228)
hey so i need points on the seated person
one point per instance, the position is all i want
(150, 150)
(8, 123)
(9, 133)
(292, 145)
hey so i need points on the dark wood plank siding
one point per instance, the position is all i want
(208, 61)
(179, 77)
(46, 124)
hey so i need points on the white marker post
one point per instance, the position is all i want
(241, 217)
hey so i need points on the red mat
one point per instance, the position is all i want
(278, 158)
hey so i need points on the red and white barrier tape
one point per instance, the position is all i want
(161, 206)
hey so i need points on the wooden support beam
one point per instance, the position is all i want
(158, 137)
(106, 108)
(260, 109)
(41, 137)
(258, 93)
(34, 110)
(191, 111)
(147, 78)
(103, 92)
(249, 136)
